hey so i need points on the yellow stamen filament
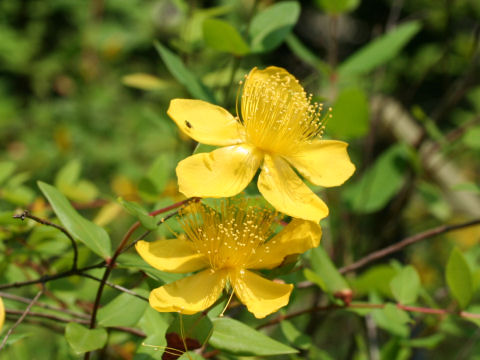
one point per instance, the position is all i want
(228, 303)
(277, 116)
(229, 234)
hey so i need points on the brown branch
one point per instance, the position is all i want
(42, 305)
(43, 324)
(114, 286)
(47, 278)
(405, 242)
(26, 214)
(417, 309)
(78, 321)
(20, 319)
(118, 251)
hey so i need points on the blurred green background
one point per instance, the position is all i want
(84, 86)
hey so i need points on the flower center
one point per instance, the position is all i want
(277, 114)
(228, 234)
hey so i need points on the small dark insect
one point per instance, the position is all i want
(188, 124)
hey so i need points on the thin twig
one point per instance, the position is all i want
(42, 305)
(20, 319)
(114, 286)
(26, 214)
(416, 309)
(75, 320)
(146, 233)
(405, 242)
(47, 278)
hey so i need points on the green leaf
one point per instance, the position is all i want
(427, 342)
(239, 339)
(350, 114)
(124, 310)
(469, 186)
(304, 53)
(67, 181)
(176, 67)
(82, 339)
(6, 170)
(140, 213)
(380, 183)
(154, 322)
(313, 277)
(472, 138)
(145, 82)
(270, 27)
(406, 285)
(92, 235)
(197, 327)
(156, 178)
(459, 278)
(190, 355)
(336, 7)
(392, 319)
(222, 36)
(474, 309)
(295, 336)
(152, 347)
(326, 270)
(377, 278)
(379, 51)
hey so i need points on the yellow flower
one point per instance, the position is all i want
(2, 313)
(225, 244)
(277, 128)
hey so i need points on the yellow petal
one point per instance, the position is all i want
(222, 173)
(176, 256)
(261, 296)
(324, 162)
(191, 294)
(282, 188)
(2, 313)
(296, 238)
(204, 122)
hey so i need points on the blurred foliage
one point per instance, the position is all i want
(84, 87)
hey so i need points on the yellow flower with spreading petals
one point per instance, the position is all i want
(224, 245)
(2, 313)
(277, 128)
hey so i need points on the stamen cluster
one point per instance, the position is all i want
(229, 234)
(278, 115)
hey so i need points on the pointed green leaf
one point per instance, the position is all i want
(406, 285)
(237, 338)
(380, 183)
(198, 327)
(92, 235)
(115, 314)
(222, 36)
(140, 213)
(474, 309)
(350, 114)
(270, 27)
(326, 270)
(459, 278)
(392, 319)
(145, 82)
(6, 170)
(380, 50)
(184, 76)
(336, 7)
(82, 339)
(295, 336)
